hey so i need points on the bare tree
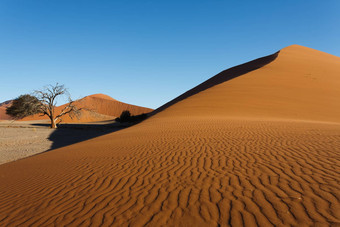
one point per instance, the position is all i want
(48, 97)
(44, 102)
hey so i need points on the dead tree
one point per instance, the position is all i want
(47, 98)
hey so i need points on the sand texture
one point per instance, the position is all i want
(96, 107)
(21, 139)
(260, 149)
(19, 142)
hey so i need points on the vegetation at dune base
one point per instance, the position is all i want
(126, 117)
(43, 102)
(23, 106)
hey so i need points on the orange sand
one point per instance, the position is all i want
(3, 106)
(260, 149)
(301, 84)
(97, 107)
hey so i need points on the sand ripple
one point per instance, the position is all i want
(217, 172)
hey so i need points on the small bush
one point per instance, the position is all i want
(127, 117)
(23, 106)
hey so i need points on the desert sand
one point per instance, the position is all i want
(258, 148)
(3, 106)
(21, 139)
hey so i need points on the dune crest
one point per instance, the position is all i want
(229, 155)
(299, 83)
(101, 96)
(222, 77)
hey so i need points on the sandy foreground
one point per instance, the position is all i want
(198, 171)
(256, 145)
(21, 142)
(21, 139)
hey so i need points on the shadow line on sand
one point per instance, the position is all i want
(68, 134)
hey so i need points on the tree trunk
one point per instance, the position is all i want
(53, 124)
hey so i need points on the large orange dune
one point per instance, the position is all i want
(256, 145)
(98, 107)
(300, 83)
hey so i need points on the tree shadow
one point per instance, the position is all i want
(68, 134)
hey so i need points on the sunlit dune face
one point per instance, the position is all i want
(301, 83)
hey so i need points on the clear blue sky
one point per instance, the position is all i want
(148, 52)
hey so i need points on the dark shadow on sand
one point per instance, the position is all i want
(68, 134)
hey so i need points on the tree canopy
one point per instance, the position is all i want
(23, 106)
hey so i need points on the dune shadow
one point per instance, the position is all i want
(68, 134)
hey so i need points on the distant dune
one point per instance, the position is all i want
(3, 106)
(98, 107)
(256, 145)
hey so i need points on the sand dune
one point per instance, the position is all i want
(98, 107)
(300, 83)
(3, 106)
(259, 149)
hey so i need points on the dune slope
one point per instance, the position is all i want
(207, 160)
(301, 83)
(3, 106)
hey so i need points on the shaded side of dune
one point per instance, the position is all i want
(222, 77)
